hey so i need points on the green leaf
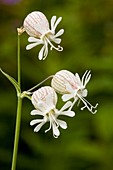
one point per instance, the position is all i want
(12, 80)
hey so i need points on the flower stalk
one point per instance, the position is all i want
(39, 83)
(19, 109)
(17, 132)
(18, 61)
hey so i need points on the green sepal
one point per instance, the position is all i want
(26, 94)
(12, 80)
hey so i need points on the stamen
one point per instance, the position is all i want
(51, 119)
(88, 105)
(52, 46)
(78, 103)
(72, 104)
(55, 120)
(49, 125)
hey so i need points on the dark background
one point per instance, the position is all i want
(87, 144)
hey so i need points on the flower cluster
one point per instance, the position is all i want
(70, 86)
(45, 100)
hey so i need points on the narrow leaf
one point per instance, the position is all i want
(12, 80)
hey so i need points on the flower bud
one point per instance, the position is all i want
(61, 79)
(36, 24)
(42, 93)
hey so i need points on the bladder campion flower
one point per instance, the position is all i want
(44, 101)
(37, 26)
(71, 86)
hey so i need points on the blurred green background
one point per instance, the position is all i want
(87, 144)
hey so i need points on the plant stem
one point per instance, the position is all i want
(18, 60)
(19, 109)
(40, 83)
(17, 132)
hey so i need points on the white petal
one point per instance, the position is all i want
(35, 121)
(66, 97)
(33, 39)
(53, 19)
(30, 46)
(84, 93)
(83, 77)
(66, 105)
(62, 124)
(87, 78)
(59, 33)
(68, 113)
(45, 50)
(57, 40)
(56, 131)
(78, 79)
(40, 56)
(57, 22)
(38, 127)
(36, 112)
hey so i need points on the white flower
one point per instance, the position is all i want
(44, 100)
(71, 86)
(37, 26)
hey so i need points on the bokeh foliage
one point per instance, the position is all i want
(87, 144)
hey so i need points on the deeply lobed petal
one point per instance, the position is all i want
(41, 53)
(33, 39)
(68, 113)
(38, 127)
(56, 131)
(62, 124)
(56, 40)
(56, 23)
(78, 81)
(35, 121)
(59, 33)
(37, 112)
(53, 19)
(65, 106)
(66, 97)
(30, 46)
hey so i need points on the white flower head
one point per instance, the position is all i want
(71, 86)
(37, 26)
(45, 100)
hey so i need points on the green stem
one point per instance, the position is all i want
(39, 83)
(19, 110)
(17, 132)
(18, 60)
